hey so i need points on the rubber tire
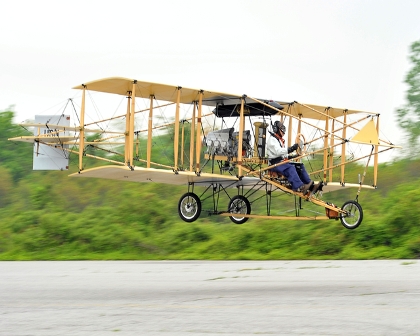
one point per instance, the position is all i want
(356, 211)
(239, 203)
(189, 207)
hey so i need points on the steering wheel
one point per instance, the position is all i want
(301, 141)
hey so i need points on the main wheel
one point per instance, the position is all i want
(354, 215)
(239, 205)
(189, 207)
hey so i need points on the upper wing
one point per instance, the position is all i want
(225, 102)
(122, 86)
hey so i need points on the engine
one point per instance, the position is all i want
(225, 142)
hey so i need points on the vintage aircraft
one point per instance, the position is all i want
(226, 162)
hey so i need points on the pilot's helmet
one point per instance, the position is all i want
(279, 126)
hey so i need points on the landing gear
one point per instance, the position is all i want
(353, 216)
(189, 207)
(239, 205)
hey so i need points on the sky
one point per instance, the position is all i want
(342, 53)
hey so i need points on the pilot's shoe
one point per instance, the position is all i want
(307, 187)
(316, 188)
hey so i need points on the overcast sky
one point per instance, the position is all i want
(350, 54)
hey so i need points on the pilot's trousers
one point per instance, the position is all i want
(295, 178)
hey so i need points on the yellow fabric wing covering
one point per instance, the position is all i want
(367, 135)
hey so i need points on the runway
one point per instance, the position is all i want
(210, 298)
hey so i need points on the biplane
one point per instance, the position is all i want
(221, 162)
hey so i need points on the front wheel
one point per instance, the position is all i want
(353, 216)
(239, 205)
(189, 207)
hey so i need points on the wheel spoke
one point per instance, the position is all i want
(353, 215)
(239, 205)
(189, 207)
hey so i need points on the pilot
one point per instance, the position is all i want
(277, 152)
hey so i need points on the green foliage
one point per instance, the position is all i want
(46, 215)
(409, 115)
(14, 156)
(5, 187)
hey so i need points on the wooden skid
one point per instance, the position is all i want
(228, 214)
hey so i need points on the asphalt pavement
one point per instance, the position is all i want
(380, 297)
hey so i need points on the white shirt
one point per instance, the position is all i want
(275, 148)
